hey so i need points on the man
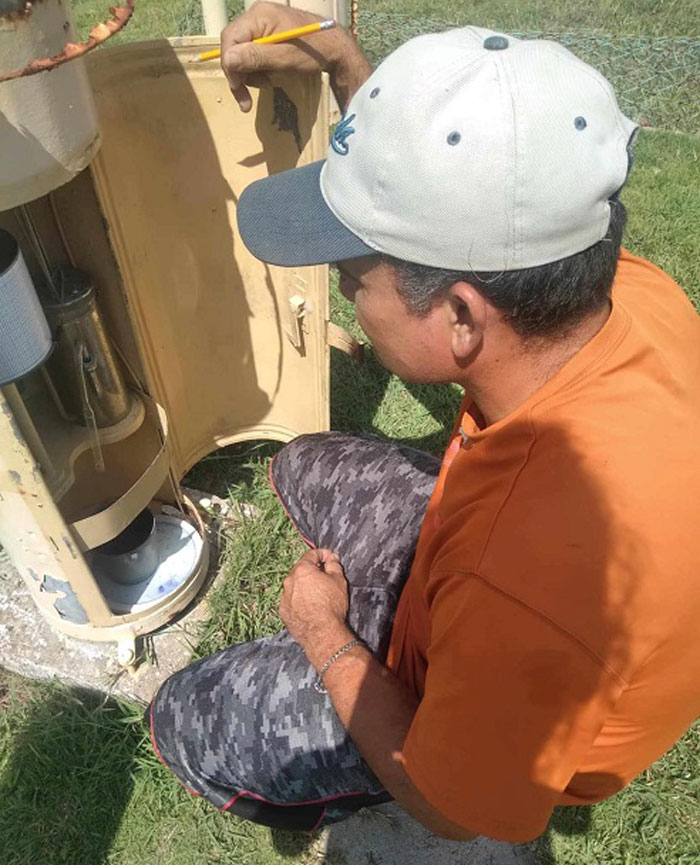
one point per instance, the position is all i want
(544, 649)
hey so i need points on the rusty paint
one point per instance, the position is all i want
(71, 548)
(98, 34)
(15, 477)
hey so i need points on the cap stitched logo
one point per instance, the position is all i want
(341, 133)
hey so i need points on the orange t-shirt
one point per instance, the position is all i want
(551, 621)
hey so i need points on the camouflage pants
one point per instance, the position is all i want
(245, 727)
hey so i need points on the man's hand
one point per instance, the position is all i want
(246, 63)
(373, 705)
(314, 604)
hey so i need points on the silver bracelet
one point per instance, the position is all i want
(318, 684)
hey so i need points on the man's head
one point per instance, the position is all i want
(542, 302)
(467, 159)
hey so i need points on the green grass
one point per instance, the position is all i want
(663, 203)
(646, 17)
(79, 783)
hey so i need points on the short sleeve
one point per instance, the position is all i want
(511, 705)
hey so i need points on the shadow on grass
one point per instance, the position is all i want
(574, 820)
(229, 467)
(569, 821)
(290, 844)
(359, 389)
(65, 777)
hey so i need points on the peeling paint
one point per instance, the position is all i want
(33, 574)
(71, 548)
(15, 477)
(67, 607)
(98, 34)
(14, 426)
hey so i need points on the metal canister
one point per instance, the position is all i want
(83, 367)
(25, 340)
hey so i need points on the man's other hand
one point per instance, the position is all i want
(314, 603)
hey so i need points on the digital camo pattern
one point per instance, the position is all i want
(248, 718)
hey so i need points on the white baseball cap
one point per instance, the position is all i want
(468, 150)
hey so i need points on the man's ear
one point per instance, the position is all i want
(467, 319)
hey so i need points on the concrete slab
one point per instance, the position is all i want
(31, 648)
(388, 836)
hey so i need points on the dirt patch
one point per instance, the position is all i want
(14, 690)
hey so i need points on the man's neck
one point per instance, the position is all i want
(501, 382)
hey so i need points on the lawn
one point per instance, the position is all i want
(79, 784)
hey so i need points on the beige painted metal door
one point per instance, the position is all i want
(232, 348)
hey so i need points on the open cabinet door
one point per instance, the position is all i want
(232, 348)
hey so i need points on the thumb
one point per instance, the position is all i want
(242, 57)
(333, 567)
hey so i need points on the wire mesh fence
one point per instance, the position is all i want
(657, 79)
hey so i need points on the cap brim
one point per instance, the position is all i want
(284, 219)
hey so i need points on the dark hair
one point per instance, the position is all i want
(543, 301)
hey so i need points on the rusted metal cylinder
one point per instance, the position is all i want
(48, 122)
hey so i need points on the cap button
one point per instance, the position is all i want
(495, 43)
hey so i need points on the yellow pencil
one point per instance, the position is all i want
(278, 37)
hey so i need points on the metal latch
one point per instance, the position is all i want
(297, 311)
(339, 338)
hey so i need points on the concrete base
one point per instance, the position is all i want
(388, 836)
(31, 648)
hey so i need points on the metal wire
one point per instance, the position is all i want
(27, 222)
(656, 78)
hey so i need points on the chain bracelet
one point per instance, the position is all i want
(318, 684)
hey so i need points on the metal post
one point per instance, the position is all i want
(215, 16)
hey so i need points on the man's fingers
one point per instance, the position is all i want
(312, 557)
(331, 562)
(334, 568)
(244, 57)
(244, 66)
(327, 560)
(243, 97)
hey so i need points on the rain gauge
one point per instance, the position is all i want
(137, 334)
